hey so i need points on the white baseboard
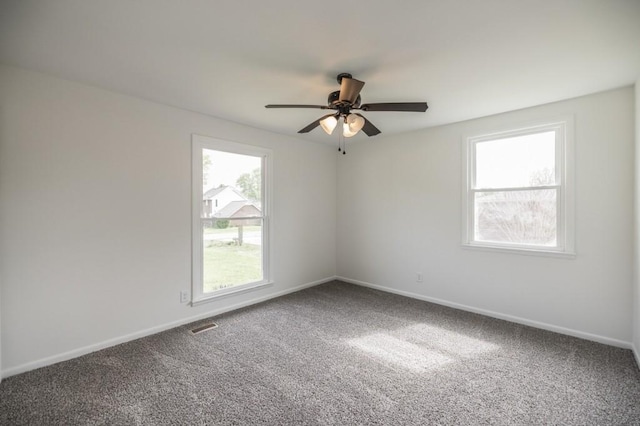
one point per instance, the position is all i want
(510, 318)
(149, 331)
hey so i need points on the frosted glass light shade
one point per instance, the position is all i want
(328, 124)
(347, 132)
(352, 125)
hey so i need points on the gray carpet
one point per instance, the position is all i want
(337, 354)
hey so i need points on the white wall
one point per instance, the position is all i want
(95, 216)
(399, 212)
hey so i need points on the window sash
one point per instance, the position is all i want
(236, 287)
(515, 229)
(518, 188)
(512, 135)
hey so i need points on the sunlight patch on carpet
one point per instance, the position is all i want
(421, 347)
(396, 351)
(454, 344)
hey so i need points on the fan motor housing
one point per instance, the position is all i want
(334, 100)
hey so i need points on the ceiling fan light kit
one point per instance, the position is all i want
(348, 99)
(351, 124)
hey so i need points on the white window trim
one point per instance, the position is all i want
(565, 161)
(198, 143)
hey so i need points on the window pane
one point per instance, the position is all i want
(232, 253)
(230, 177)
(232, 219)
(519, 161)
(520, 217)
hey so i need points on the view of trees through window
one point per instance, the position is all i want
(524, 217)
(232, 219)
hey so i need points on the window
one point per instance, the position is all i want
(231, 191)
(519, 189)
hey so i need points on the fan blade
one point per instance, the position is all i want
(296, 106)
(350, 89)
(396, 106)
(313, 125)
(369, 129)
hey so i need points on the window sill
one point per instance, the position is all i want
(231, 291)
(520, 250)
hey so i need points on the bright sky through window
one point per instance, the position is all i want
(226, 167)
(516, 161)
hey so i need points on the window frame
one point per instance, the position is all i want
(198, 144)
(565, 197)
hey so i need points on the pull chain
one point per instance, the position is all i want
(342, 144)
(339, 137)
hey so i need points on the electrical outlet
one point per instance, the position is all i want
(418, 277)
(184, 296)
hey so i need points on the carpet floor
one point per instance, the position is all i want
(336, 354)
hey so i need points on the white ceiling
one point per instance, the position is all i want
(466, 58)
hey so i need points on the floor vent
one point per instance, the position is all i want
(203, 328)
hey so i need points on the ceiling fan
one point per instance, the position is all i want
(346, 100)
